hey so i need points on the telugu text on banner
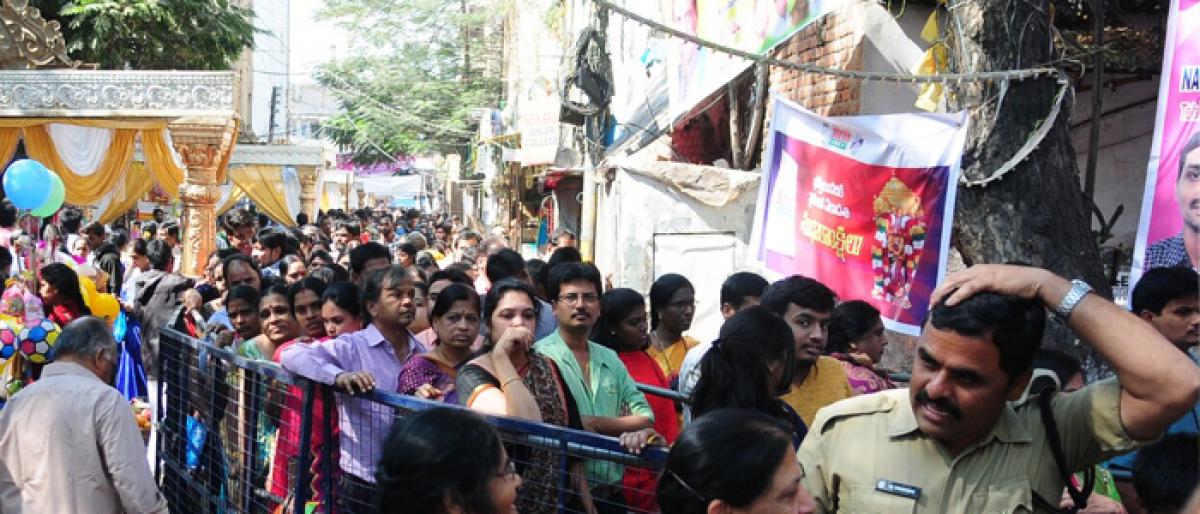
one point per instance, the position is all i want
(862, 203)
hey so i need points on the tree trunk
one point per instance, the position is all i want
(1036, 213)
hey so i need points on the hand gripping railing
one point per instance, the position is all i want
(218, 410)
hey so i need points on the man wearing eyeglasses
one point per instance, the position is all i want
(598, 381)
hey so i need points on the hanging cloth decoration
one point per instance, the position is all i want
(291, 190)
(934, 61)
(164, 163)
(83, 187)
(264, 185)
(81, 148)
(9, 137)
(131, 188)
(230, 196)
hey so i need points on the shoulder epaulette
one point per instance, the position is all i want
(855, 406)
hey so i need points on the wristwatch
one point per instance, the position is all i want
(1079, 289)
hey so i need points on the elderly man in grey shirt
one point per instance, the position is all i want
(69, 443)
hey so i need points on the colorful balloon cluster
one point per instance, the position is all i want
(23, 327)
(30, 185)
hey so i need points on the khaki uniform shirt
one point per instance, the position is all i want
(867, 442)
(68, 444)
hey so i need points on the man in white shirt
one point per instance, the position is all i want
(69, 443)
(740, 290)
(169, 232)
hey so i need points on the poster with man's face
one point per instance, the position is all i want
(1169, 226)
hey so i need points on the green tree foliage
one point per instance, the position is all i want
(153, 34)
(416, 74)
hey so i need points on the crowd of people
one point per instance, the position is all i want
(787, 410)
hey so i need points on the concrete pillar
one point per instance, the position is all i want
(204, 144)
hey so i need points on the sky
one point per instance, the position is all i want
(312, 41)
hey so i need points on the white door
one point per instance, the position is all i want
(706, 259)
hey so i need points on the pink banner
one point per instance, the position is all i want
(1169, 227)
(864, 204)
(401, 165)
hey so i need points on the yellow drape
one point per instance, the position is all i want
(235, 195)
(9, 137)
(137, 183)
(83, 190)
(264, 185)
(161, 161)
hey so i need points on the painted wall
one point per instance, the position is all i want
(1126, 134)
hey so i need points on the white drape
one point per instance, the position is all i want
(175, 154)
(320, 196)
(102, 205)
(81, 148)
(291, 190)
(225, 190)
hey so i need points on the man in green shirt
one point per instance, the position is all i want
(599, 382)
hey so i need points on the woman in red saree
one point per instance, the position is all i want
(623, 327)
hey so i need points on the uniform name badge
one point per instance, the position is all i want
(898, 489)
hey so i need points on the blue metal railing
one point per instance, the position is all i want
(208, 384)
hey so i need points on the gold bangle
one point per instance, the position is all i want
(652, 438)
(509, 381)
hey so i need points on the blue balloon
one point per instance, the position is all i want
(27, 183)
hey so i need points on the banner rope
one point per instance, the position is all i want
(1031, 143)
(1035, 138)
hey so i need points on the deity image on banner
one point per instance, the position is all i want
(899, 241)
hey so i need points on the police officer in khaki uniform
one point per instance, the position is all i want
(953, 442)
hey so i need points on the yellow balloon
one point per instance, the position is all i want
(88, 289)
(106, 307)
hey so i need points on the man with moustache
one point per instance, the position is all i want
(954, 443)
(359, 362)
(1184, 248)
(595, 376)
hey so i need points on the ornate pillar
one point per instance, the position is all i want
(362, 199)
(308, 190)
(204, 144)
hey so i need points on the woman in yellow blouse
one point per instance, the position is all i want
(672, 306)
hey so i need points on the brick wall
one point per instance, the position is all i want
(833, 42)
(705, 137)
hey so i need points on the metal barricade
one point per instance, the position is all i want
(219, 421)
(245, 436)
